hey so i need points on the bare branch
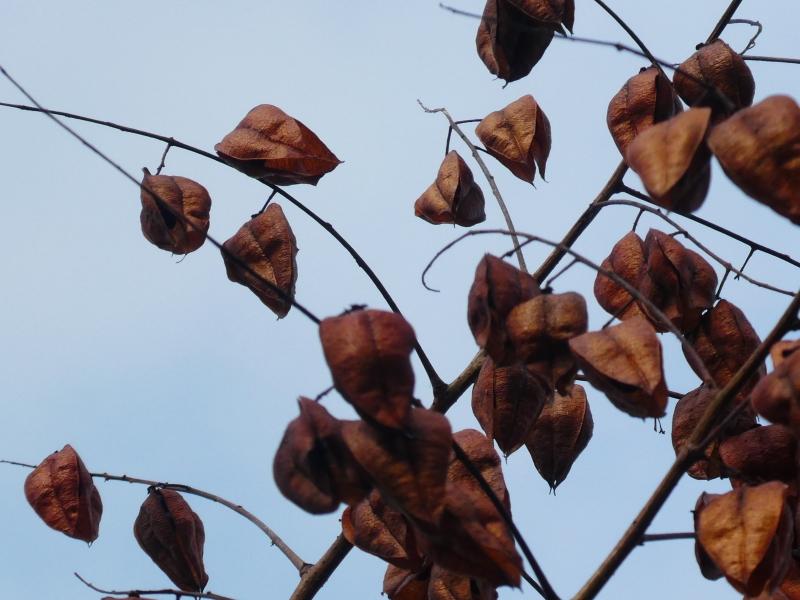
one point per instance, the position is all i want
(663, 537)
(316, 575)
(723, 21)
(645, 51)
(775, 59)
(168, 592)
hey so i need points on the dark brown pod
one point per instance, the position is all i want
(761, 454)
(646, 98)
(780, 351)
(707, 567)
(672, 160)
(313, 467)
(560, 434)
(267, 246)
(60, 490)
(627, 260)
(777, 396)
(454, 197)
(481, 453)
(497, 288)
(556, 14)
(403, 584)
(268, 144)
(507, 401)
(173, 194)
(368, 352)
(518, 136)
(172, 535)
(448, 585)
(718, 66)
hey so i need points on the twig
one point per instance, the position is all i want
(459, 385)
(489, 177)
(163, 163)
(686, 456)
(276, 540)
(663, 537)
(723, 21)
(752, 42)
(316, 575)
(775, 59)
(649, 55)
(136, 593)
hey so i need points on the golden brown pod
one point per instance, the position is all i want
(761, 454)
(454, 197)
(268, 144)
(267, 246)
(172, 535)
(174, 194)
(707, 567)
(60, 490)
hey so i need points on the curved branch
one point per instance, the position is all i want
(167, 592)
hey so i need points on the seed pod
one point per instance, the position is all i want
(777, 396)
(454, 197)
(627, 261)
(368, 352)
(402, 584)
(759, 149)
(266, 244)
(518, 136)
(556, 14)
(780, 351)
(718, 66)
(646, 98)
(481, 453)
(268, 144)
(748, 535)
(707, 567)
(179, 195)
(172, 535)
(448, 585)
(60, 490)
(624, 362)
(761, 454)
(506, 401)
(560, 434)
(673, 161)
(498, 287)
(313, 467)
(509, 42)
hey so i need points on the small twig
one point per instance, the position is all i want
(489, 177)
(775, 59)
(645, 51)
(636, 220)
(263, 208)
(168, 592)
(744, 264)
(561, 271)
(723, 21)
(450, 132)
(717, 295)
(162, 164)
(752, 43)
(324, 393)
(663, 537)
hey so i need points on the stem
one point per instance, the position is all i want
(723, 21)
(776, 59)
(686, 456)
(316, 575)
(663, 537)
(653, 60)
(459, 385)
(137, 593)
(489, 177)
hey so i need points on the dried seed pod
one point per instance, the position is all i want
(172, 535)
(724, 341)
(707, 566)
(481, 453)
(402, 584)
(368, 352)
(777, 396)
(179, 195)
(748, 535)
(718, 66)
(560, 434)
(268, 144)
(646, 98)
(506, 401)
(556, 14)
(266, 244)
(448, 585)
(761, 454)
(509, 42)
(60, 490)
(498, 287)
(687, 414)
(313, 467)
(627, 260)
(378, 529)
(518, 136)
(780, 351)
(673, 161)
(454, 197)
(759, 149)
(409, 467)
(624, 362)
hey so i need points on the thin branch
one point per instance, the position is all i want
(443, 401)
(723, 21)
(168, 592)
(775, 59)
(489, 177)
(752, 41)
(316, 575)
(276, 540)
(686, 456)
(645, 51)
(663, 537)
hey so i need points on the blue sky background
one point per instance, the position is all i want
(166, 370)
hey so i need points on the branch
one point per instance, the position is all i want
(686, 456)
(776, 59)
(649, 55)
(316, 575)
(136, 593)
(723, 21)
(459, 385)
(489, 177)
(663, 537)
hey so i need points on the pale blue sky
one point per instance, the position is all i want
(168, 371)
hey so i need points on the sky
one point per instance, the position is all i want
(161, 368)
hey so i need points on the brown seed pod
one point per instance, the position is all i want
(402, 584)
(268, 144)
(627, 260)
(60, 490)
(448, 585)
(481, 453)
(748, 534)
(368, 352)
(518, 136)
(506, 401)
(172, 535)
(624, 362)
(646, 98)
(509, 42)
(556, 14)
(780, 351)
(707, 567)
(266, 244)
(718, 65)
(759, 149)
(454, 197)
(777, 396)
(497, 288)
(313, 467)
(179, 195)
(560, 434)
(672, 160)
(761, 454)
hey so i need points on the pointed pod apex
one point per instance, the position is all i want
(454, 197)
